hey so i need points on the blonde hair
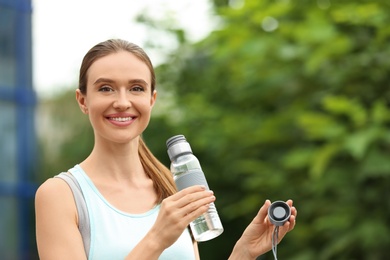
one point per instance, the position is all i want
(159, 173)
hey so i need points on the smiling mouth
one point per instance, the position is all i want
(120, 119)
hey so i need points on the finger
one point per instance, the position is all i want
(292, 208)
(196, 199)
(195, 212)
(294, 211)
(289, 225)
(180, 194)
(290, 203)
(197, 207)
(263, 212)
(293, 217)
(292, 223)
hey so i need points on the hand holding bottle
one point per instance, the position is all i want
(177, 211)
(187, 172)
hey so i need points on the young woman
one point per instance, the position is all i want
(133, 207)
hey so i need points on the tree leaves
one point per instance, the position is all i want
(298, 112)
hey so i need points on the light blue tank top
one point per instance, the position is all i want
(115, 233)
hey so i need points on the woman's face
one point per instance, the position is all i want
(119, 98)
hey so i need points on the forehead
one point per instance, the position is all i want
(121, 65)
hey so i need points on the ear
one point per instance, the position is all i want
(153, 98)
(81, 100)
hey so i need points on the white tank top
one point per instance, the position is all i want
(115, 233)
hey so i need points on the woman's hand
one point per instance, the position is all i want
(257, 237)
(177, 211)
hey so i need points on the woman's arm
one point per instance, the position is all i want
(58, 236)
(176, 213)
(57, 232)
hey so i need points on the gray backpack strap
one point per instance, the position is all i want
(82, 210)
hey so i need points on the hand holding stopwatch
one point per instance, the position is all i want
(278, 213)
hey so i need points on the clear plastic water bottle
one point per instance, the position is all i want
(187, 172)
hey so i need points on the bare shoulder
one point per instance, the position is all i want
(55, 193)
(56, 221)
(53, 188)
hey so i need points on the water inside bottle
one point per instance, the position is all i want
(207, 226)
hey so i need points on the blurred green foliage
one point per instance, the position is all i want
(66, 137)
(286, 99)
(290, 99)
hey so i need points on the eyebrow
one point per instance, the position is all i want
(132, 81)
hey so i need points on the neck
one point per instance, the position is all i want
(114, 161)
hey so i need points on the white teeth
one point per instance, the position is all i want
(121, 119)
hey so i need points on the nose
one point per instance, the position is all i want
(122, 101)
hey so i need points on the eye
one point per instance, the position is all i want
(105, 88)
(137, 88)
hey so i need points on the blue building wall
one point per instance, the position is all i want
(18, 149)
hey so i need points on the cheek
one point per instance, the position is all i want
(96, 103)
(95, 110)
(146, 105)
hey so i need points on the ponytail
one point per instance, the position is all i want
(162, 177)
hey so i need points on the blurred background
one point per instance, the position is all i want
(279, 99)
